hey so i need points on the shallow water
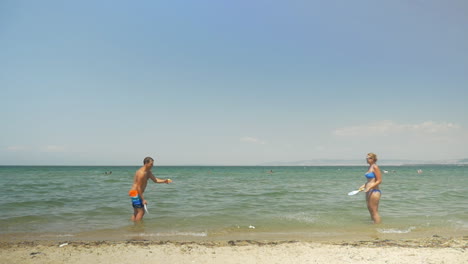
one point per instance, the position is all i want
(306, 203)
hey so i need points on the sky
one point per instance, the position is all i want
(232, 82)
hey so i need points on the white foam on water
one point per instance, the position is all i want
(459, 223)
(59, 235)
(395, 231)
(172, 234)
(300, 217)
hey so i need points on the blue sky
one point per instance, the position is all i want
(232, 82)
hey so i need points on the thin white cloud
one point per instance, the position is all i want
(319, 148)
(53, 148)
(387, 127)
(16, 148)
(252, 140)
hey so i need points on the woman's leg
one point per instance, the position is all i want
(373, 198)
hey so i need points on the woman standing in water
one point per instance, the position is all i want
(371, 187)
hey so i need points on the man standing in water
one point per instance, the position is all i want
(140, 181)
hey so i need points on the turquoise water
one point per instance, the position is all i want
(302, 203)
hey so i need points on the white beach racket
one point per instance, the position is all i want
(146, 209)
(353, 192)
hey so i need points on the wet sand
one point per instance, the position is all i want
(430, 250)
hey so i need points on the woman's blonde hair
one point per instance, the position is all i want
(373, 156)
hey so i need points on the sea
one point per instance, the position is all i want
(231, 203)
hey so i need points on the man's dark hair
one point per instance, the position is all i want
(147, 160)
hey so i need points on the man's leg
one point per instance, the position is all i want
(138, 214)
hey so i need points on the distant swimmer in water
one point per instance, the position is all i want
(371, 187)
(420, 171)
(140, 181)
(270, 172)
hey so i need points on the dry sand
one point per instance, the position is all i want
(433, 250)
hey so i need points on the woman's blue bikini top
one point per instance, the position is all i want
(370, 175)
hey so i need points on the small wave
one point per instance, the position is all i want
(459, 223)
(301, 217)
(59, 235)
(112, 180)
(395, 231)
(193, 234)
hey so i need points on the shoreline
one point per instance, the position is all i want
(142, 233)
(315, 236)
(431, 250)
(432, 242)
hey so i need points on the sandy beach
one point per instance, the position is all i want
(433, 250)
